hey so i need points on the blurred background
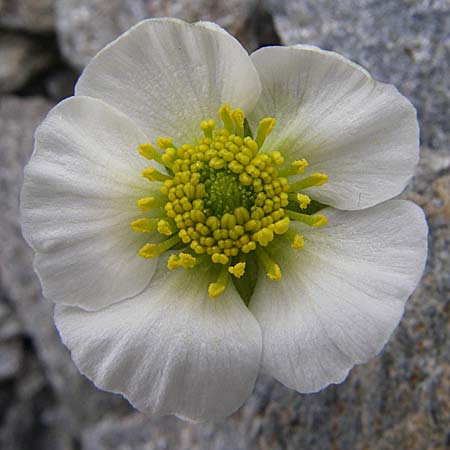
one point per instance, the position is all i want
(400, 400)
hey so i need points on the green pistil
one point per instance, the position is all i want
(224, 192)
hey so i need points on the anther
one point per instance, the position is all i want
(238, 117)
(153, 175)
(298, 242)
(237, 270)
(148, 151)
(302, 199)
(316, 179)
(154, 250)
(148, 203)
(215, 289)
(182, 260)
(264, 237)
(144, 225)
(271, 268)
(207, 127)
(164, 143)
(265, 127)
(164, 227)
(281, 226)
(219, 258)
(315, 220)
(225, 116)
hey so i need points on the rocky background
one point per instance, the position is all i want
(400, 400)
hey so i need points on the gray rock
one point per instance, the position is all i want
(21, 57)
(10, 327)
(60, 83)
(403, 42)
(86, 26)
(30, 15)
(28, 412)
(11, 356)
(234, 15)
(79, 402)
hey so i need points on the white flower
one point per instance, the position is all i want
(163, 311)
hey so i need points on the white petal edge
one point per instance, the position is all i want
(79, 196)
(171, 349)
(341, 297)
(362, 133)
(168, 76)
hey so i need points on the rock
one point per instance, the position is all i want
(234, 15)
(86, 26)
(79, 402)
(21, 57)
(60, 83)
(9, 325)
(11, 356)
(28, 412)
(30, 15)
(399, 41)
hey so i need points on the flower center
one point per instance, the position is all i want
(224, 192)
(222, 199)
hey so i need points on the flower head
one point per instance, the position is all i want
(198, 214)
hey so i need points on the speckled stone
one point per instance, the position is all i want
(30, 15)
(403, 42)
(234, 15)
(21, 57)
(85, 26)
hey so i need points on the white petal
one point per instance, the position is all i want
(171, 349)
(362, 133)
(340, 297)
(168, 76)
(79, 197)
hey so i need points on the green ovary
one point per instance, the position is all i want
(223, 199)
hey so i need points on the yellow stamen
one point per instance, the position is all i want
(281, 226)
(148, 151)
(303, 201)
(264, 236)
(153, 250)
(153, 175)
(272, 269)
(215, 289)
(148, 203)
(298, 242)
(164, 142)
(238, 117)
(182, 260)
(316, 179)
(164, 227)
(219, 258)
(265, 127)
(237, 270)
(315, 220)
(207, 127)
(277, 157)
(299, 166)
(143, 225)
(168, 156)
(225, 116)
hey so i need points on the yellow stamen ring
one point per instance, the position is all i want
(224, 198)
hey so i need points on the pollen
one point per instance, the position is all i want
(220, 198)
